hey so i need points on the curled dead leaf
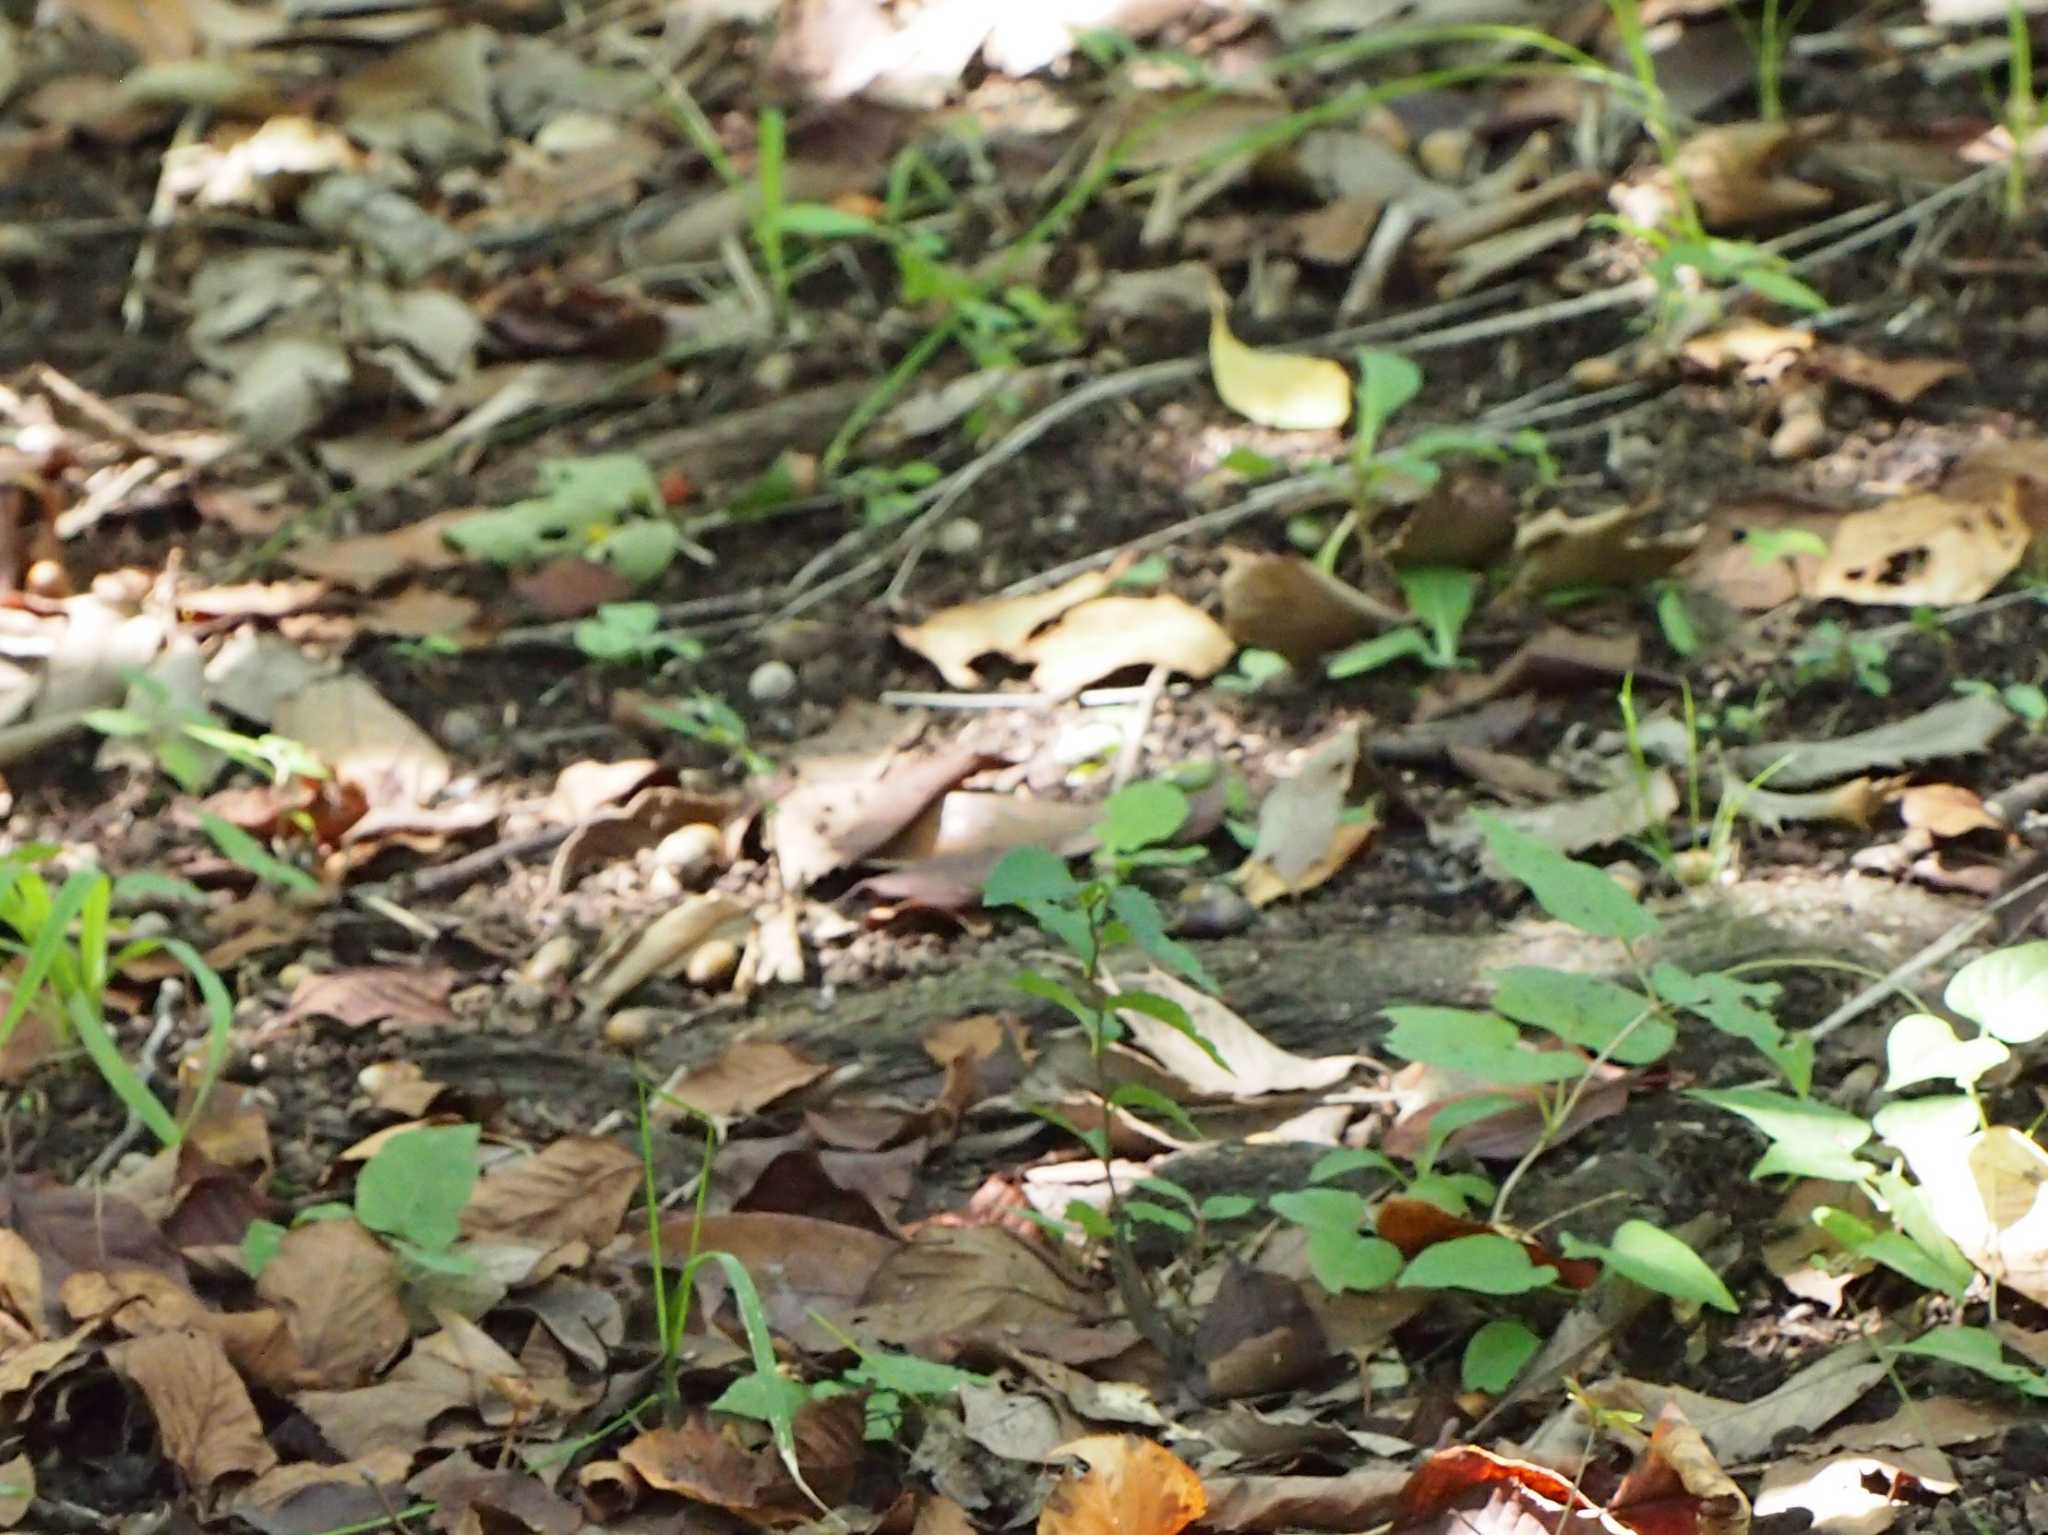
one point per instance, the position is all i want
(1287, 391)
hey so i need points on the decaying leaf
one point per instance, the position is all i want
(663, 947)
(954, 637)
(1934, 549)
(1283, 603)
(1956, 727)
(752, 1074)
(1308, 829)
(1252, 1064)
(365, 742)
(840, 812)
(204, 1417)
(1901, 380)
(1132, 1487)
(1287, 391)
(1737, 563)
(1732, 172)
(1596, 820)
(1097, 638)
(1555, 551)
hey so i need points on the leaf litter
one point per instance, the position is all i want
(458, 896)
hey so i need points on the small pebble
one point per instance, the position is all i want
(1212, 909)
(771, 682)
(150, 924)
(960, 537)
(1445, 153)
(712, 962)
(462, 729)
(689, 851)
(553, 958)
(630, 1028)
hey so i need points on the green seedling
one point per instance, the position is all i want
(631, 633)
(889, 492)
(1442, 599)
(2024, 110)
(1831, 652)
(710, 719)
(191, 746)
(608, 509)
(411, 1193)
(243, 850)
(2025, 699)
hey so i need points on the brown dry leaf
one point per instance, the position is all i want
(1727, 563)
(584, 788)
(1902, 380)
(392, 996)
(985, 1282)
(1732, 172)
(952, 638)
(374, 558)
(575, 1189)
(82, 1228)
(802, 1264)
(1934, 549)
(364, 741)
(1132, 1487)
(1677, 1474)
(474, 1498)
(1283, 603)
(1356, 1500)
(1854, 1493)
(306, 1497)
(17, 1490)
(338, 1289)
(1803, 1257)
(1252, 1064)
(1946, 810)
(1303, 836)
(828, 822)
(1556, 551)
(204, 1418)
(1594, 820)
(1109, 634)
(419, 612)
(1760, 349)
(252, 599)
(21, 1367)
(699, 1462)
(752, 1074)
(141, 1303)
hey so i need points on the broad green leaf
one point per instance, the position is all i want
(260, 1242)
(1897, 1252)
(1141, 815)
(1046, 989)
(1141, 914)
(1584, 1010)
(2006, 992)
(822, 221)
(1028, 874)
(758, 1396)
(1576, 894)
(1321, 1209)
(1485, 1262)
(1923, 1048)
(1381, 650)
(639, 550)
(1227, 1207)
(923, 1379)
(242, 849)
(1657, 1260)
(1156, 1214)
(1476, 1044)
(416, 1185)
(1812, 1140)
(1332, 1165)
(1442, 598)
(1740, 1009)
(1386, 382)
(1345, 1260)
(1495, 1354)
(1975, 1349)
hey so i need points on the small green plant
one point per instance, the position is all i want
(191, 746)
(243, 850)
(631, 633)
(1832, 652)
(889, 492)
(411, 1192)
(1442, 599)
(1768, 39)
(710, 719)
(2024, 110)
(608, 509)
(64, 942)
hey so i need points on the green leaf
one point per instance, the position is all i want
(1332, 1165)
(260, 1242)
(822, 221)
(1740, 1009)
(1029, 874)
(1446, 1122)
(1947, 1273)
(1321, 1209)
(1141, 914)
(1657, 1260)
(1495, 1354)
(1812, 1140)
(1227, 1207)
(1442, 598)
(416, 1185)
(1346, 1260)
(1781, 287)
(639, 550)
(1485, 1262)
(2006, 992)
(1382, 650)
(1674, 617)
(1923, 1048)
(1454, 1193)
(1141, 815)
(1386, 382)
(1585, 1010)
(245, 851)
(1046, 989)
(1476, 1044)
(1156, 1214)
(760, 1397)
(1576, 894)
(1975, 1349)
(922, 1380)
